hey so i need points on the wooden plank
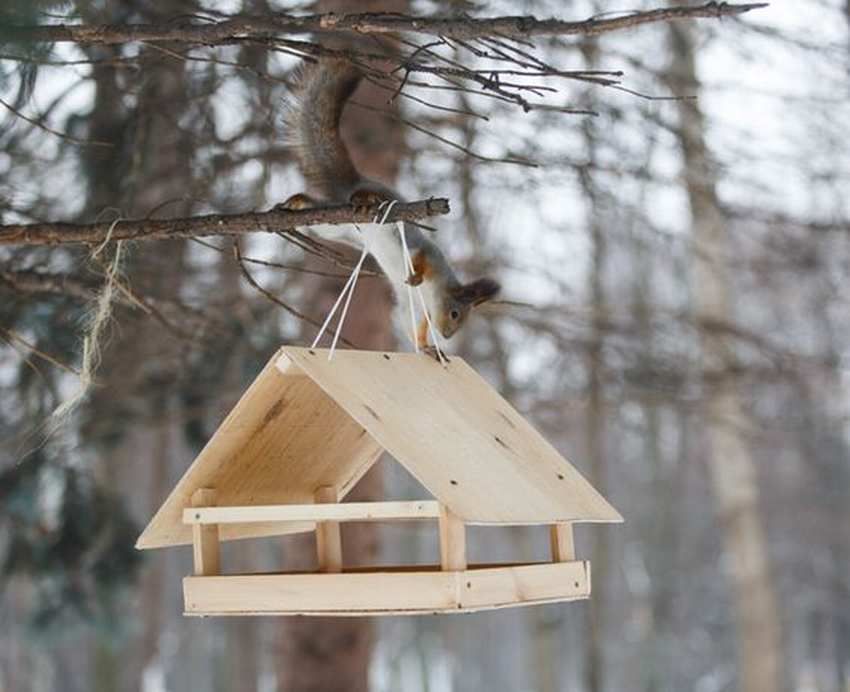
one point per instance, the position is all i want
(457, 436)
(283, 439)
(205, 539)
(562, 543)
(421, 567)
(452, 541)
(348, 511)
(383, 593)
(523, 584)
(307, 422)
(328, 537)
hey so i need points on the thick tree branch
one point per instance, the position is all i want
(462, 27)
(274, 221)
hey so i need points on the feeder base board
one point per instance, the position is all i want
(387, 591)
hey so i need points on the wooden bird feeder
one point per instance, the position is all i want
(308, 429)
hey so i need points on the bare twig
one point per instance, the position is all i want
(40, 125)
(237, 253)
(288, 267)
(13, 337)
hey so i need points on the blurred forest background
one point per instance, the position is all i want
(677, 326)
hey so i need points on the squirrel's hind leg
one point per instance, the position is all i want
(297, 202)
(422, 334)
(420, 269)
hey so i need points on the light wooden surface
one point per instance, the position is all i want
(385, 593)
(284, 439)
(306, 422)
(456, 435)
(562, 542)
(328, 536)
(452, 541)
(205, 543)
(349, 511)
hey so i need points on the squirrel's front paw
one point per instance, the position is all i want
(414, 279)
(435, 353)
(296, 203)
(364, 199)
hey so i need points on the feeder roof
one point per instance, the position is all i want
(307, 422)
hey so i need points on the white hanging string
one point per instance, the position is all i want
(405, 257)
(333, 309)
(409, 261)
(353, 282)
(348, 290)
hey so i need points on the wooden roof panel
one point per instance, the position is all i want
(283, 439)
(307, 422)
(456, 435)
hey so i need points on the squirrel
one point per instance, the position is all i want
(312, 122)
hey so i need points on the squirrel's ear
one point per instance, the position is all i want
(477, 292)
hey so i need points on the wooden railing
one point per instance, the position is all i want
(333, 511)
(205, 518)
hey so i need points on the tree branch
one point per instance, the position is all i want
(461, 27)
(273, 221)
(187, 322)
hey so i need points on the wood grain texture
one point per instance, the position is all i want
(328, 537)
(562, 543)
(457, 436)
(205, 544)
(387, 592)
(283, 440)
(307, 422)
(350, 511)
(452, 541)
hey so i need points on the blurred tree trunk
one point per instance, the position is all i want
(659, 523)
(246, 636)
(133, 416)
(847, 15)
(104, 171)
(595, 413)
(334, 654)
(730, 464)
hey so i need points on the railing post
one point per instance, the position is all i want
(561, 540)
(328, 536)
(452, 541)
(205, 542)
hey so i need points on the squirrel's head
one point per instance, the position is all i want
(461, 300)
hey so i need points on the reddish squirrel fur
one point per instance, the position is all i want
(312, 121)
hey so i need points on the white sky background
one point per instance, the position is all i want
(775, 104)
(756, 103)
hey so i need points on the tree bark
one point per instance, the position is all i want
(105, 168)
(334, 654)
(595, 412)
(133, 416)
(274, 221)
(730, 465)
(264, 27)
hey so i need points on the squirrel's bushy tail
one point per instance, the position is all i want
(312, 127)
